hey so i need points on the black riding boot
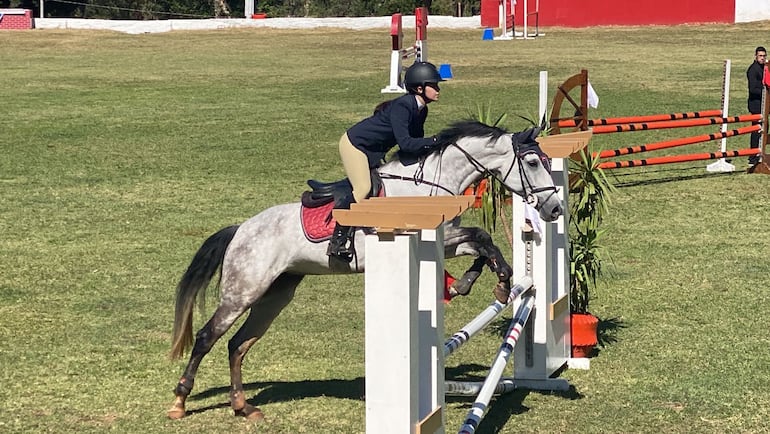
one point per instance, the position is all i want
(341, 244)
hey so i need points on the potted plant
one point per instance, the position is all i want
(589, 200)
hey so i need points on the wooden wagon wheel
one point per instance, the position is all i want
(580, 115)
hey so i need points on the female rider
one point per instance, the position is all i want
(396, 122)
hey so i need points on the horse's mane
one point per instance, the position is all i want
(467, 128)
(453, 133)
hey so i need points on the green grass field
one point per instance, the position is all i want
(122, 153)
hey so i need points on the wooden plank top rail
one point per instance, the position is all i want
(388, 214)
(564, 145)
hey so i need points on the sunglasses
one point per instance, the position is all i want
(433, 86)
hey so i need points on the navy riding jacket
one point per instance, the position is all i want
(400, 123)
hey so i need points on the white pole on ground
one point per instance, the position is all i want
(472, 388)
(722, 165)
(498, 365)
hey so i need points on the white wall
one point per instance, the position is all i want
(752, 10)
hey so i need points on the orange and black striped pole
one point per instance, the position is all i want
(676, 142)
(678, 158)
(604, 129)
(570, 123)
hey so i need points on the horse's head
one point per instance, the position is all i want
(529, 174)
(515, 159)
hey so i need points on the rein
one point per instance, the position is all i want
(417, 178)
(526, 184)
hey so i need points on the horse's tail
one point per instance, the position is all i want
(204, 265)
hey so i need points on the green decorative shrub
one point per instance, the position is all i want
(589, 200)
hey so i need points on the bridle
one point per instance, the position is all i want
(519, 150)
(522, 150)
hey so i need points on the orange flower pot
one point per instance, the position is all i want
(583, 328)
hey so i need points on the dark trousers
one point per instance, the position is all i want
(755, 107)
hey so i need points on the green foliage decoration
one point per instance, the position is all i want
(589, 198)
(495, 194)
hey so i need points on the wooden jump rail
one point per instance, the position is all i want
(570, 123)
(682, 123)
(676, 142)
(678, 158)
(580, 121)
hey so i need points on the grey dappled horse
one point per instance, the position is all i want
(264, 259)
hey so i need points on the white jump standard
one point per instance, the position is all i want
(397, 55)
(404, 310)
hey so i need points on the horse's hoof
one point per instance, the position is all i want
(502, 292)
(251, 413)
(176, 413)
(460, 287)
(451, 293)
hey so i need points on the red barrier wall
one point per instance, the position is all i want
(16, 19)
(585, 13)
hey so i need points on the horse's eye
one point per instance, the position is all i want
(532, 162)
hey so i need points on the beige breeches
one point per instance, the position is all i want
(356, 167)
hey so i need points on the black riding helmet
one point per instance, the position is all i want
(420, 74)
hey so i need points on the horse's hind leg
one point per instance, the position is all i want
(205, 339)
(262, 314)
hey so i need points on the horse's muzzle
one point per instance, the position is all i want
(553, 213)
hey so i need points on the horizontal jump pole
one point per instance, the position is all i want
(604, 129)
(408, 52)
(571, 123)
(484, 318)
(678, 158)
(676, 142)
(472, 388)
(496, 372)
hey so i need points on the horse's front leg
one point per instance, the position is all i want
(461, 241)
(463, 285)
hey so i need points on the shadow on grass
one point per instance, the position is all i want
(283, 391)
(501, 408)
(607, 330)
(667, 175)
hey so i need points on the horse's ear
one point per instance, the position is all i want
(527, 136)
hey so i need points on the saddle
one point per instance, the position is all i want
(318, 203)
